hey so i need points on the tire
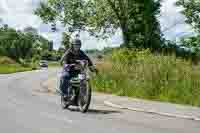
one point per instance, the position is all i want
(84, 107)
(64, 104)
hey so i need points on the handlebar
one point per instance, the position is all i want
(79, 64)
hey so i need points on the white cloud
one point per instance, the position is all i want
(3, 7)
(19, 14)
(20, 6)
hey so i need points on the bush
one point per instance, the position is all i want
(6, 60)
(24, 63)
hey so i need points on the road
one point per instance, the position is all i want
(25, 108)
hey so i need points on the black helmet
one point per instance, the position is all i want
(76, 42)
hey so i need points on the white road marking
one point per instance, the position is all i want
(110, 104)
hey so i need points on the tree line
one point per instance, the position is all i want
(23, 45)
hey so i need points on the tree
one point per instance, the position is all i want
(51, 46)
(30, 29)
(1, 22)
(65, 40)
(16, 44)
(192, 12)
(144, 27)
(60, 52)
(191, 9)
(5, 26)
(102, 18)
(21, 45)
(190, 42)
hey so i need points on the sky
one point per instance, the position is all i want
(19, 14)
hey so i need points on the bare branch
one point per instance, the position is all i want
(173, 25)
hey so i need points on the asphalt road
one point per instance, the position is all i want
(25, 108)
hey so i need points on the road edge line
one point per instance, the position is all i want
(110, 104)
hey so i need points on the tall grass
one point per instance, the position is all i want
(144, 75)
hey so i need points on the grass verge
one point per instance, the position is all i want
(12, 68)
(54, 64)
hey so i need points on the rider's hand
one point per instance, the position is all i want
(93, 69)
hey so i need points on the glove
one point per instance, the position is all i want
(93, 69)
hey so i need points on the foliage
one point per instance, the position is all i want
(30, 29)
(60, 52)
(65, 40)
(24, 62)
(144, 27)
(190, 42)
(192, 12)
(21, 45)
(191, 9)
(50, 44)
(102, 18)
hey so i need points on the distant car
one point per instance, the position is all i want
(43, 63)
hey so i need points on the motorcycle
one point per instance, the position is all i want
(81, 88)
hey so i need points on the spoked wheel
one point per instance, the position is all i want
(64, 103)
(84, 97)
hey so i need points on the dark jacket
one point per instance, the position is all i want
(70, 57)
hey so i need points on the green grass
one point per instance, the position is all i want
(54, 64)
(12, 68)
(7, 66)
(161, 78)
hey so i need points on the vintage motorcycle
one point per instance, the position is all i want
(81, 88)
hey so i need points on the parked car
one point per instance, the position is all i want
(43, 63)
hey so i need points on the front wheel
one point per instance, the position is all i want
(64, 103)
(85, 95)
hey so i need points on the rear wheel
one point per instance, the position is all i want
(84, 98)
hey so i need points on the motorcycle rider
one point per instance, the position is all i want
(73, 54)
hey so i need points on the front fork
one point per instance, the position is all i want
(83, 88)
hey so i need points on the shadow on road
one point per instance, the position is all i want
(96, 111)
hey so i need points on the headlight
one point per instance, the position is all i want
(82, 76)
